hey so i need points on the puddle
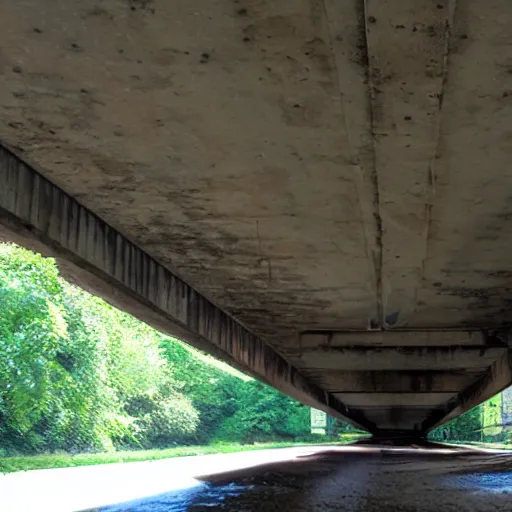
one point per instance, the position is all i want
(485, 482)
(203, 496)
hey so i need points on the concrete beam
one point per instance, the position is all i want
(400, 338)
(39, 215)
(392, 381)
(391, 400)
(406, 76)
(397, 418)
(495, 379)
(399, 358)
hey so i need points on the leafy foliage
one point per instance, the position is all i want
(78, 375)
(480, 424)
(264, 416)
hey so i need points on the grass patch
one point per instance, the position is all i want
(64, 460)
(479, 444)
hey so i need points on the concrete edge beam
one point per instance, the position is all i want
(411, 400)
(38, 215)
(392, 381)
(391, 418)
(397, 358)
(394, 338)
(495, 379)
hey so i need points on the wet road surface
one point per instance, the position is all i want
(380, 479)
(316, 479)
(86, 487)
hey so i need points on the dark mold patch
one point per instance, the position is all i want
(466, 293)
(319, 54)
(499, 274)
(361, 43)
(491, 302)
(142, 5)
(98, 11)
(374, 324)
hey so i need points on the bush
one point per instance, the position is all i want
(264, 414)
(162, 422)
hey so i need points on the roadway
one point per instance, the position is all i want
(350, 478)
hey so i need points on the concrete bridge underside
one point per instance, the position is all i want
(316, 191)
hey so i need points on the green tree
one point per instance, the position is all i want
(33, 329)
(163, 420)
(264, 414)
(71, 366)
(213, 390)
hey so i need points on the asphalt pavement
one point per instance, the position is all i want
(305, 479)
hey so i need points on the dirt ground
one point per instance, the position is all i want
(357, 480)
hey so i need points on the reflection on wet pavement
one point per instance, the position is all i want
(375, 480)
(486, 482)
(203, 497)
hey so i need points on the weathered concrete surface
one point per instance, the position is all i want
(305, 165)
(398, 358)
(402, 381)
(397, 338)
